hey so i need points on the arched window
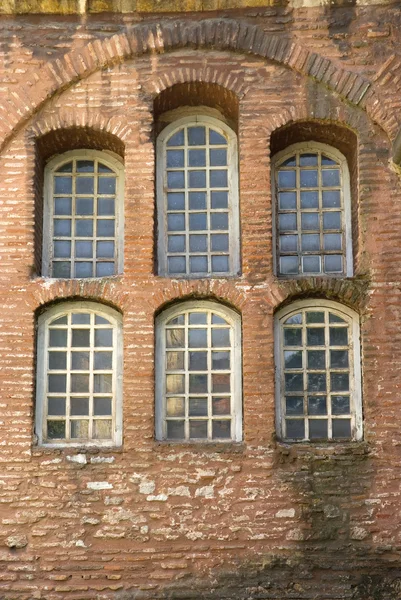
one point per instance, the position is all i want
(312, 211)
(79, 375)
(197, 198)
(198, 373)
(83, 215)
(318, 381)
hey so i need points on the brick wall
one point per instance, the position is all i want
(260, 519)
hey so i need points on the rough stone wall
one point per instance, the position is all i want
(256, 520)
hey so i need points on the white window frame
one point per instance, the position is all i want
(233, 197)
(234, 320)
(111, 160)
(43, 323)
(336, 155)
(352, 318)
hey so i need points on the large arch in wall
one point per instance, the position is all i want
(59, 74)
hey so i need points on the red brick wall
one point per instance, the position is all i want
(260, 519)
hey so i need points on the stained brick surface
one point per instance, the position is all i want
(260, 519)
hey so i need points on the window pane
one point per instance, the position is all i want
(196, 158)
(57, 383)
(102, 406)
(221, 429)
(103, 338)
(286, 179)
(55, 430)
(221, 383)
(197, 361)
(198, 407)
(79, 429)
(308, 178)
(219, 199)
(294, 405)
(175, 384)
(309, 199)
(220, 264)
(197, 179)
(197, 338)
(220, 338)
(79, 383)
(293, 359)
(317, 405)
(221, 406)
(294, 382)
(176, 265)
(295, 429)
(103, 384)
(84, 206)
(56, 406)
(79, 406)
(340, 405)
(57, 361)
(175, 430)
(287, 200)
(62, 227)
(175, 407)
(196, 136)
(197, 384)
(80, 361)
(341, 428)
(106, 207)
(318, 429)
(102, 429)
(197, 200)
(198, 429)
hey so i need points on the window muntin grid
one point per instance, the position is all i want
(312, 212)
(79, 377)
(318, 381)
(82, 216)
(197, 196)
(198, 375)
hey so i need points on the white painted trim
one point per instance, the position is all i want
(233, 195)
(336, 155)
(111, 160)
(44, 319)
(234, 319)
(352, 319)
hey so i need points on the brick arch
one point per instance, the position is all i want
(212, 289)
(227, 34)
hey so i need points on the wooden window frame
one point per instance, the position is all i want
(44, 321)
(234, 320)
(347, 252)
(355, 391)
(114, 162)
(233, 198)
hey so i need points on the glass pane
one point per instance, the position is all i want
(216, 139)
(287, 222)
(176, 265)
(198, 243)
(79, 406)
(220, 264)
(175, 430)
(308, 178)
(56, 406)
(175, 180)
(196, 158)
(57, 384)
(198, 264)
(316, 382)
(85, 166)
(103, 338)
(103, 169)
(103, 361)
(293, 359)
(294, 405)
(62, 227)
(295, 429)
(85, 185)
(287, 200)
(80, 319)
(220, 338)
(197, 384)
(339, 382)
(310, 221)
(340, 405)
(327, 161)
(103, 384)
(197, 318)
(179, 320)
(197, 200)
(290, 162)
(84, 206)
(339, 359)
(175, 338)
(315, 317)
(197, 221)
(219, 220)
(176, 243)
(220, 360)
(83, 250)
(196, 136)
(63, 185)
(80, 338)
(61, 269)
(331, 199)
(333, 264)
(105, 227)
(105, 249)
(315, 336)
(62, 206)
(79, 383)
(317, 405)
(177, 139)
(220, 383)
(101, 320)
(80, 361)
(197, 338)
(198, 429)
(311, 264)
(79, 429)
(289, 265)
(338, 336)
(55, 430)
(294, 319)
(289, 243)
(331, 220)
(66, 168)
(59, 321)
(318, 429)
(104, 269)
(102, 406)
(175, 384)
(175, 201)
(221, 406)
(197, 361)
(197, 179)
(308, 160)
(330, 177)
(62, 249)
(102, 429)
(219, 199)
(309, 199)
(198, 407)
(218, 158)
(221, 429)
(84, 269)
(294, 382)
(316, 359)
(286, 179)
(106, 207)
(332, 241)
(175, 407)
(219, 178)
(310, 243)
(292, 337)
(216, 320)
(341, 428)
(57, 338)
(57, 361)
(175, 158)
(175, 360)
(219, 242)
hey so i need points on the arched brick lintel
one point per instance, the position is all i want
(218, 34)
